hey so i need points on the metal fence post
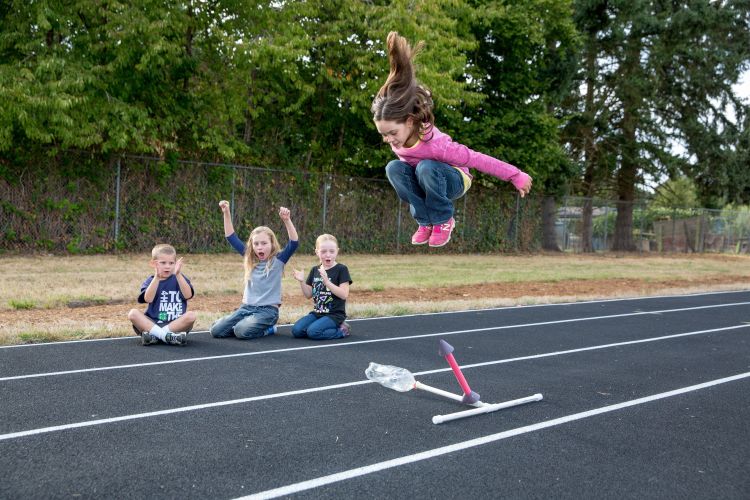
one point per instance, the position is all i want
(326, 187)
(231, 200)
(606, 226)
(565, 224)
(515, 222)
(640, 236)
(463, 222)
(117, 201)
(398, 227)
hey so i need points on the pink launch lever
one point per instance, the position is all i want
(446, 350)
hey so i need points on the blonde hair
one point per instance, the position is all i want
(402, 97)
(162, 249)
(252, 260)
(325, 237)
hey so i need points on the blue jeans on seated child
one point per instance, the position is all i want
(429, 189)
(316, 328)
(247, 322)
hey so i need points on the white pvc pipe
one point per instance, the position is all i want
(487, 408)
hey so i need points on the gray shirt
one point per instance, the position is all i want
(264, 289)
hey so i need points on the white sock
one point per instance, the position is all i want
(166, 329)
(158, 332)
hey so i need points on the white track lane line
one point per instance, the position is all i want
(556, 304)
(89, 423)
(436, 452)
(359, 342)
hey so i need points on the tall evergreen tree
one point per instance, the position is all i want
(662, 70)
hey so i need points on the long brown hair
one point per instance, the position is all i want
(402, 97)
(252, 260)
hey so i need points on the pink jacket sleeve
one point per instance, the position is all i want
(456, 154)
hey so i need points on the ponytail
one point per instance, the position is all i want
(402, 97)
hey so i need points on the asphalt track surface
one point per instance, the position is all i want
(643, 398)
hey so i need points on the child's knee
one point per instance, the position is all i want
(220, 329)
(319, 332)
(298, 332)
(248, 329)
(424, 170)
(132, 314)
(190, 317)
(394, 167)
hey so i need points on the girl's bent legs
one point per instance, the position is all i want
(441, 184)
(324, 328)
(246, 322)
(223, 327)
(403, 178)
(255, 325)
(299, 329)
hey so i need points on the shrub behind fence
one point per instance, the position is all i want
(134, 203)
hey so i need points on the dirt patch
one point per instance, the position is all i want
(115, 313)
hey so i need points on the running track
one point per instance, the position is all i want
(643, 398)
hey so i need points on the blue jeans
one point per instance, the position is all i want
(247, 322)
(323, 328)
(429, 189)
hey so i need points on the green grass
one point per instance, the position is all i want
(22, 304)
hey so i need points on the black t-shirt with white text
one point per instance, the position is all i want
(324, 301)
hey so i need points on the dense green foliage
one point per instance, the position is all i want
(288, 85)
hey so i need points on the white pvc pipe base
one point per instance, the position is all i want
(485, 408)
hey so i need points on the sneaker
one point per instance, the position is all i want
(345, 329)
(176, 338)
(148, 339)
(441, 234)
(271, 330)
(422, 235)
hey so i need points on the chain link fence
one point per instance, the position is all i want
(135, 202)
(655, 229)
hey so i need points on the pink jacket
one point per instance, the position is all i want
(442, 148)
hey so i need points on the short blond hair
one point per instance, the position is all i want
(162, 249)
(325, 237)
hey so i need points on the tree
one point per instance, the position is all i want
(662, 67)
(523, 64)
(116, 77)
(678, 192)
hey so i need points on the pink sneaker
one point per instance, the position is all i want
(422, 235)
(441, 234)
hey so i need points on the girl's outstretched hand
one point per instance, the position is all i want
(224, 206)
(284, 213)
(525, 188)
(299, 275)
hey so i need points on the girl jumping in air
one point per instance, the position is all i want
(264, 267)
(431, 170)
(328, 286)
